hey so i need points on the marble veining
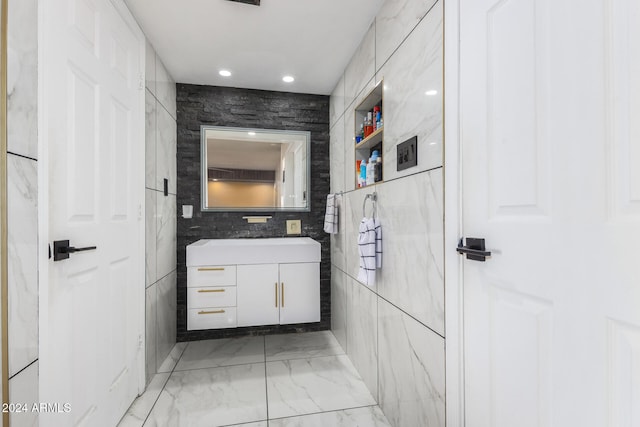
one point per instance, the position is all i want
(165, 88)
(336, 102)
(22, 78)
(212, 397)
(172, 359)
(141, 407)
(339, 292)
(166, 146)
(412, 71)
(395, 20)
(150, 67)
(362, 333)
(166, 234)
(23, 389)
(151, 255)
(361, 68)
(151, 332)
(369, 416)
(150, 115)
(415, 287)
(22, 239)
(222, 352)
(336, 156)
(304, 386)
(412, 366)
(297, 346)
(166, 316)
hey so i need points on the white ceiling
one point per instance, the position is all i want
(312, 40)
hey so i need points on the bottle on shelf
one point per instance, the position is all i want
(363, 173)
(358, 173)
(378, 170)
(377, 115)
(368, 126)
(371, 167)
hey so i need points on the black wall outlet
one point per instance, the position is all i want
(407, 153)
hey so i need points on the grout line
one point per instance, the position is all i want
(326, 412)
(266, 384)
(22, 370)
(22, 156)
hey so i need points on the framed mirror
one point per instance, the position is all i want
(254, 169)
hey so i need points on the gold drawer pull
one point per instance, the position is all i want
(211, 312)
(210, 290)
(210, 268)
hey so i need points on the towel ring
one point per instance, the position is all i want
(374, 200)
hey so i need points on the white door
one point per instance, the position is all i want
(550, 143)
(93, 113)
(300, 293)
(258, 297)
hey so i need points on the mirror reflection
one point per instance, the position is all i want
(254, 169)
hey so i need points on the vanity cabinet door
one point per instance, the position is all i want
(258, 295)
(300, 293)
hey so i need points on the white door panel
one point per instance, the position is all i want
(300, 293)
(93, 113)
(258, 295)
(550, 155)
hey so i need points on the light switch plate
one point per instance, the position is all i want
(294, 226)
(407, 154)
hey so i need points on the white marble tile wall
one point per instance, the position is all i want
(361, 68)
(160, 143)
(150, 128)
(395, 20)
(23, 389)
(22, 196)
(336, 102)
(395, 330)
(411, 76)
(151, 305)
(412, 277)
(336, 146)
(166, 316)
(362, 333)
(411, 361)
(338, 239)
(339, 292)
(22, 78)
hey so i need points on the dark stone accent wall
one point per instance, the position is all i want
(222, 106)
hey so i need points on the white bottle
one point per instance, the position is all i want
(371, 171)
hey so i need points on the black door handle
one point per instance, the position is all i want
(474, 249)
(61, 249)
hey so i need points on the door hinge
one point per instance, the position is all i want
(140, 342)
(141, 82)
(139, 212)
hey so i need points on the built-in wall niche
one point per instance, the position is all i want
(254, 169)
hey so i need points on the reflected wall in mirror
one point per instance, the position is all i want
(255, 169)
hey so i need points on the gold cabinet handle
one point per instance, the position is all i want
(210, 268)
(276, 293)
(282, 294)
(210, 290)
(211, 312)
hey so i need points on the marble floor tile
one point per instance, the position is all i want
(222, 352)
(298, 346)
(212, 397)
(141, 407)
(23, 389)
(258, 424)
(173, 357)
(306, 386)
(369, 416)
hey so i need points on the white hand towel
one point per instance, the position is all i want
(331, 215)
(370, 249)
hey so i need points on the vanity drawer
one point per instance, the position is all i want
(211, 318)
(211, 297)
(213, 275)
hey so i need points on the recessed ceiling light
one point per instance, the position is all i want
(431, 92)
(252, 133)
(224, 73)
(288, 79)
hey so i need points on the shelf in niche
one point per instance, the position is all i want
(371, 140)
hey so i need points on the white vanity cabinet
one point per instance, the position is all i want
(271, 294)
(252, 282)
